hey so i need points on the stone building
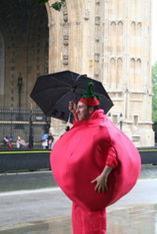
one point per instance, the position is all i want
(109, 40)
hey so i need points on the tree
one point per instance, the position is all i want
(56, 5)
(154, 99)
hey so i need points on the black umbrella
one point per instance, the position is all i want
(54, 91)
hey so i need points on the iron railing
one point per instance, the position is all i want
(28, 124)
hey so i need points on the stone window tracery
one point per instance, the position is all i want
(112, 72)
(119, 76)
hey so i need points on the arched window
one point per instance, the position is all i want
(120, 28)
(113, 36)
(138, 74)
(120, 37)
(132, 73)
(119, 72)
(139, 29)
(112, 72)
(1, 65)
(133, 29)
(132, 39)
(139, 65)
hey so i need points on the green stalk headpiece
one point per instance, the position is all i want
(89, 98)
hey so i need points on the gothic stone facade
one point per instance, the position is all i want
(108, 40)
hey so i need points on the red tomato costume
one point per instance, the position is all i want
(80, 155)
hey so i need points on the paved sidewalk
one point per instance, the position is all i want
(34, 209)
(48, 211)
(44, 179)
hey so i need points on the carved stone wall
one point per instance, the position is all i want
(128, 64)
(24, 29)
(108, 40)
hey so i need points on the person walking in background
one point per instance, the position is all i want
(8, 142)
(18, 142)
(94, 163)
(44, 141)
(21, 144)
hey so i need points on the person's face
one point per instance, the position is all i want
(82, 111)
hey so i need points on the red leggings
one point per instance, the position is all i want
(88, 222)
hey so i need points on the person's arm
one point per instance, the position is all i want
(111, 163)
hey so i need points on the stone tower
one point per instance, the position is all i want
(109, 40)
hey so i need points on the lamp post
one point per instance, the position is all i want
(109, 115)
(19, 85)
(121, 120)
(47, 124)
(11, 118)
(31, 138)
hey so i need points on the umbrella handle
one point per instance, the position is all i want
(69, 118)
(68, 123)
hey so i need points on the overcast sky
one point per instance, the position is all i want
(154, 31)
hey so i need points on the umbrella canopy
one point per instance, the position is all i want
(53, 92)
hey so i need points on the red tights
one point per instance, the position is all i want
(88, 222)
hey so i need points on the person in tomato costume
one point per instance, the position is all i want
(94, 163)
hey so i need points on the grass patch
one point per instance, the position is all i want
(25, 152)
(148, 150)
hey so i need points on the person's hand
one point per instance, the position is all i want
(72, 107)
(101, 180)
(101, 183)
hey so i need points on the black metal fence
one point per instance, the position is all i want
(29, 125)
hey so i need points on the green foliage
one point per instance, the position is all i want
(154, 99)
(56, 5)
